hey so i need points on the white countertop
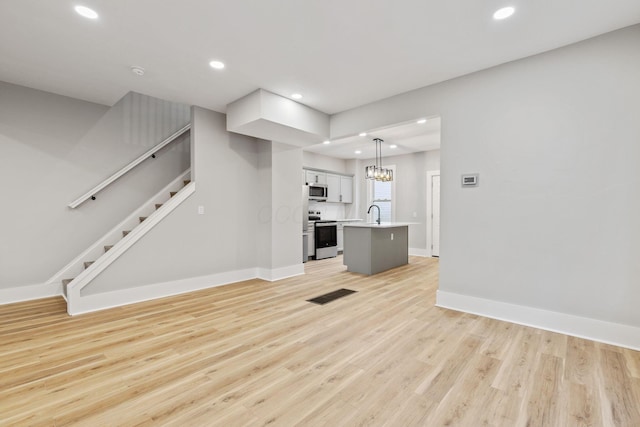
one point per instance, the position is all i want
(336, 220)
(382, 225)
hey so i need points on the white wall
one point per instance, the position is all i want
(287, 214)
(319, 161)
(410, 192)
(187, 245)
(52, 150)
(554, 137)
(329, 210)
(358, 208)
(280, 209)
(264, 204)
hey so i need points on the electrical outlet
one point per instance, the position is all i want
(200, 210)
(415, 214)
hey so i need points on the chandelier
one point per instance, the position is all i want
(376, 171)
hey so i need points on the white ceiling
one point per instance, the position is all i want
(408, 138)
(338, 53)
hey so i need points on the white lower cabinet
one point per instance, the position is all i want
(340, 236)
(311, 241)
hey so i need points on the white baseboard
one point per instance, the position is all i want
(582, 327)
(104, 300)
(29, 292)
(74, 289)
(419, 252)
(272, 275)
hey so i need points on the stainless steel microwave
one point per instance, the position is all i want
(318, 192)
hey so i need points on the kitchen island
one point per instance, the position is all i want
(371, 248)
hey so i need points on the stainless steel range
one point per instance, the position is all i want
(326, 239)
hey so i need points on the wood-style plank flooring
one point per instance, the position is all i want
(256, 353)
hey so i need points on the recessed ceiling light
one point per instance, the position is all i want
(86, 12)
(326, 142)
(138, 71)
(363, 134)
(296, 96)
(503, 13)
(218, 65)
(358, 152)
(422, 121)
(393, 146)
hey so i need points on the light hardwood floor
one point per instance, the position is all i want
(256, 353)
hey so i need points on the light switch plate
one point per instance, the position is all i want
(200, 210)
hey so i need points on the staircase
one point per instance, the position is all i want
(84, 268)
(125, 233)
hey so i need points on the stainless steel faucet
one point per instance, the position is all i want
(375, 206)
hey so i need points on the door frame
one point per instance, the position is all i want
(430, 175)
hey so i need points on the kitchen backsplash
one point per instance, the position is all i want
(328, 210)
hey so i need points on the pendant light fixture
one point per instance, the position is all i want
(376, 171)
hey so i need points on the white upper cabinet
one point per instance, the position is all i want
(314, 177)
(333, 188)
(339, 187)
(346, 189)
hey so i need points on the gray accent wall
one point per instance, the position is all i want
(52, 150)
(555, 140)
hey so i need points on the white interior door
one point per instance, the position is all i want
(435, 212)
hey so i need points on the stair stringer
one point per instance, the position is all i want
(96, 250)
(75, 300)
(78, 303)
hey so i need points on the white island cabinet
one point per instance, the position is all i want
(373, 248)
(340, 231)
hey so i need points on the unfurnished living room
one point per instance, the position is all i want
(305, 213)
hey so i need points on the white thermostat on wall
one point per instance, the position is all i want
(470, 180)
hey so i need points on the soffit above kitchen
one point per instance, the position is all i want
(268, 116)
(337, 54)
(414, 136)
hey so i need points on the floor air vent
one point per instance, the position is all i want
(331, 296)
